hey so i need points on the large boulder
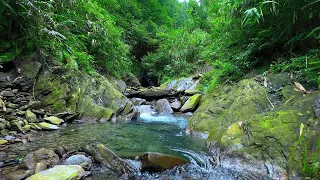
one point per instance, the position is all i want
(191, 104)
(94, 97)
(152, 161)
(163, 107)
(44, 156)
(61, 172)
(105, 156)
(266, 130)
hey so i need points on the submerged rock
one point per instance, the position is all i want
(192, 103)
(105, 156)
(54, 120)
(152, 161)
(61, 172)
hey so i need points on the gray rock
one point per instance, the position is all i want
(7, 94)
(163, 107)
(105, 156)
(138, 101)
(316, 106)
(176, 104)
(45, 156)
(78, 159)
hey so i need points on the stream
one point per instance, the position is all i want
(163, 134)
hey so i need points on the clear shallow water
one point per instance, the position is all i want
(163, 134)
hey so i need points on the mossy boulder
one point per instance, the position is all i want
(69, 172)
(31, 117)
(272, 119)
(191, 104)
(54, 120)
(94, 97)
(47, 126)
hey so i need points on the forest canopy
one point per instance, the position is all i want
(167, 38)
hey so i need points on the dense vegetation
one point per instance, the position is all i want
(167, 38)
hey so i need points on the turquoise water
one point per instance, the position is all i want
(164, 134)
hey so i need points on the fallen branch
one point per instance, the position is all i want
(270, 102)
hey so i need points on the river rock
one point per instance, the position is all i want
(15, 125)
(7, 94)
(54, 120)
(138, 101)
(175, 104)
(47, 126)
(78, 159)
(40, 167)
(60, 151)
(61, 172)
(31, 117)
(19, 174)
(105, 156)
(192, 103)
(2, 141)
(34, 104)
(26, 128)
(163, 107)
(316, 106)
(191, 92)
(44, 156)
(152, 161)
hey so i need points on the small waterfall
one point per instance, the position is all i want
(200, 159)
(163, 119)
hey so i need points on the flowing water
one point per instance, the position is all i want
(163, 134)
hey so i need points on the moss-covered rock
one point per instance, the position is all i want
(70, 172)
(272, 122)
(47, 126)
(2, 141)
(94, 97)
(54, 120)
(31, 117)
(191, 104)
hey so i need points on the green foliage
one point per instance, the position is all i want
(306, 66)
(212, 79)
(180, 53)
